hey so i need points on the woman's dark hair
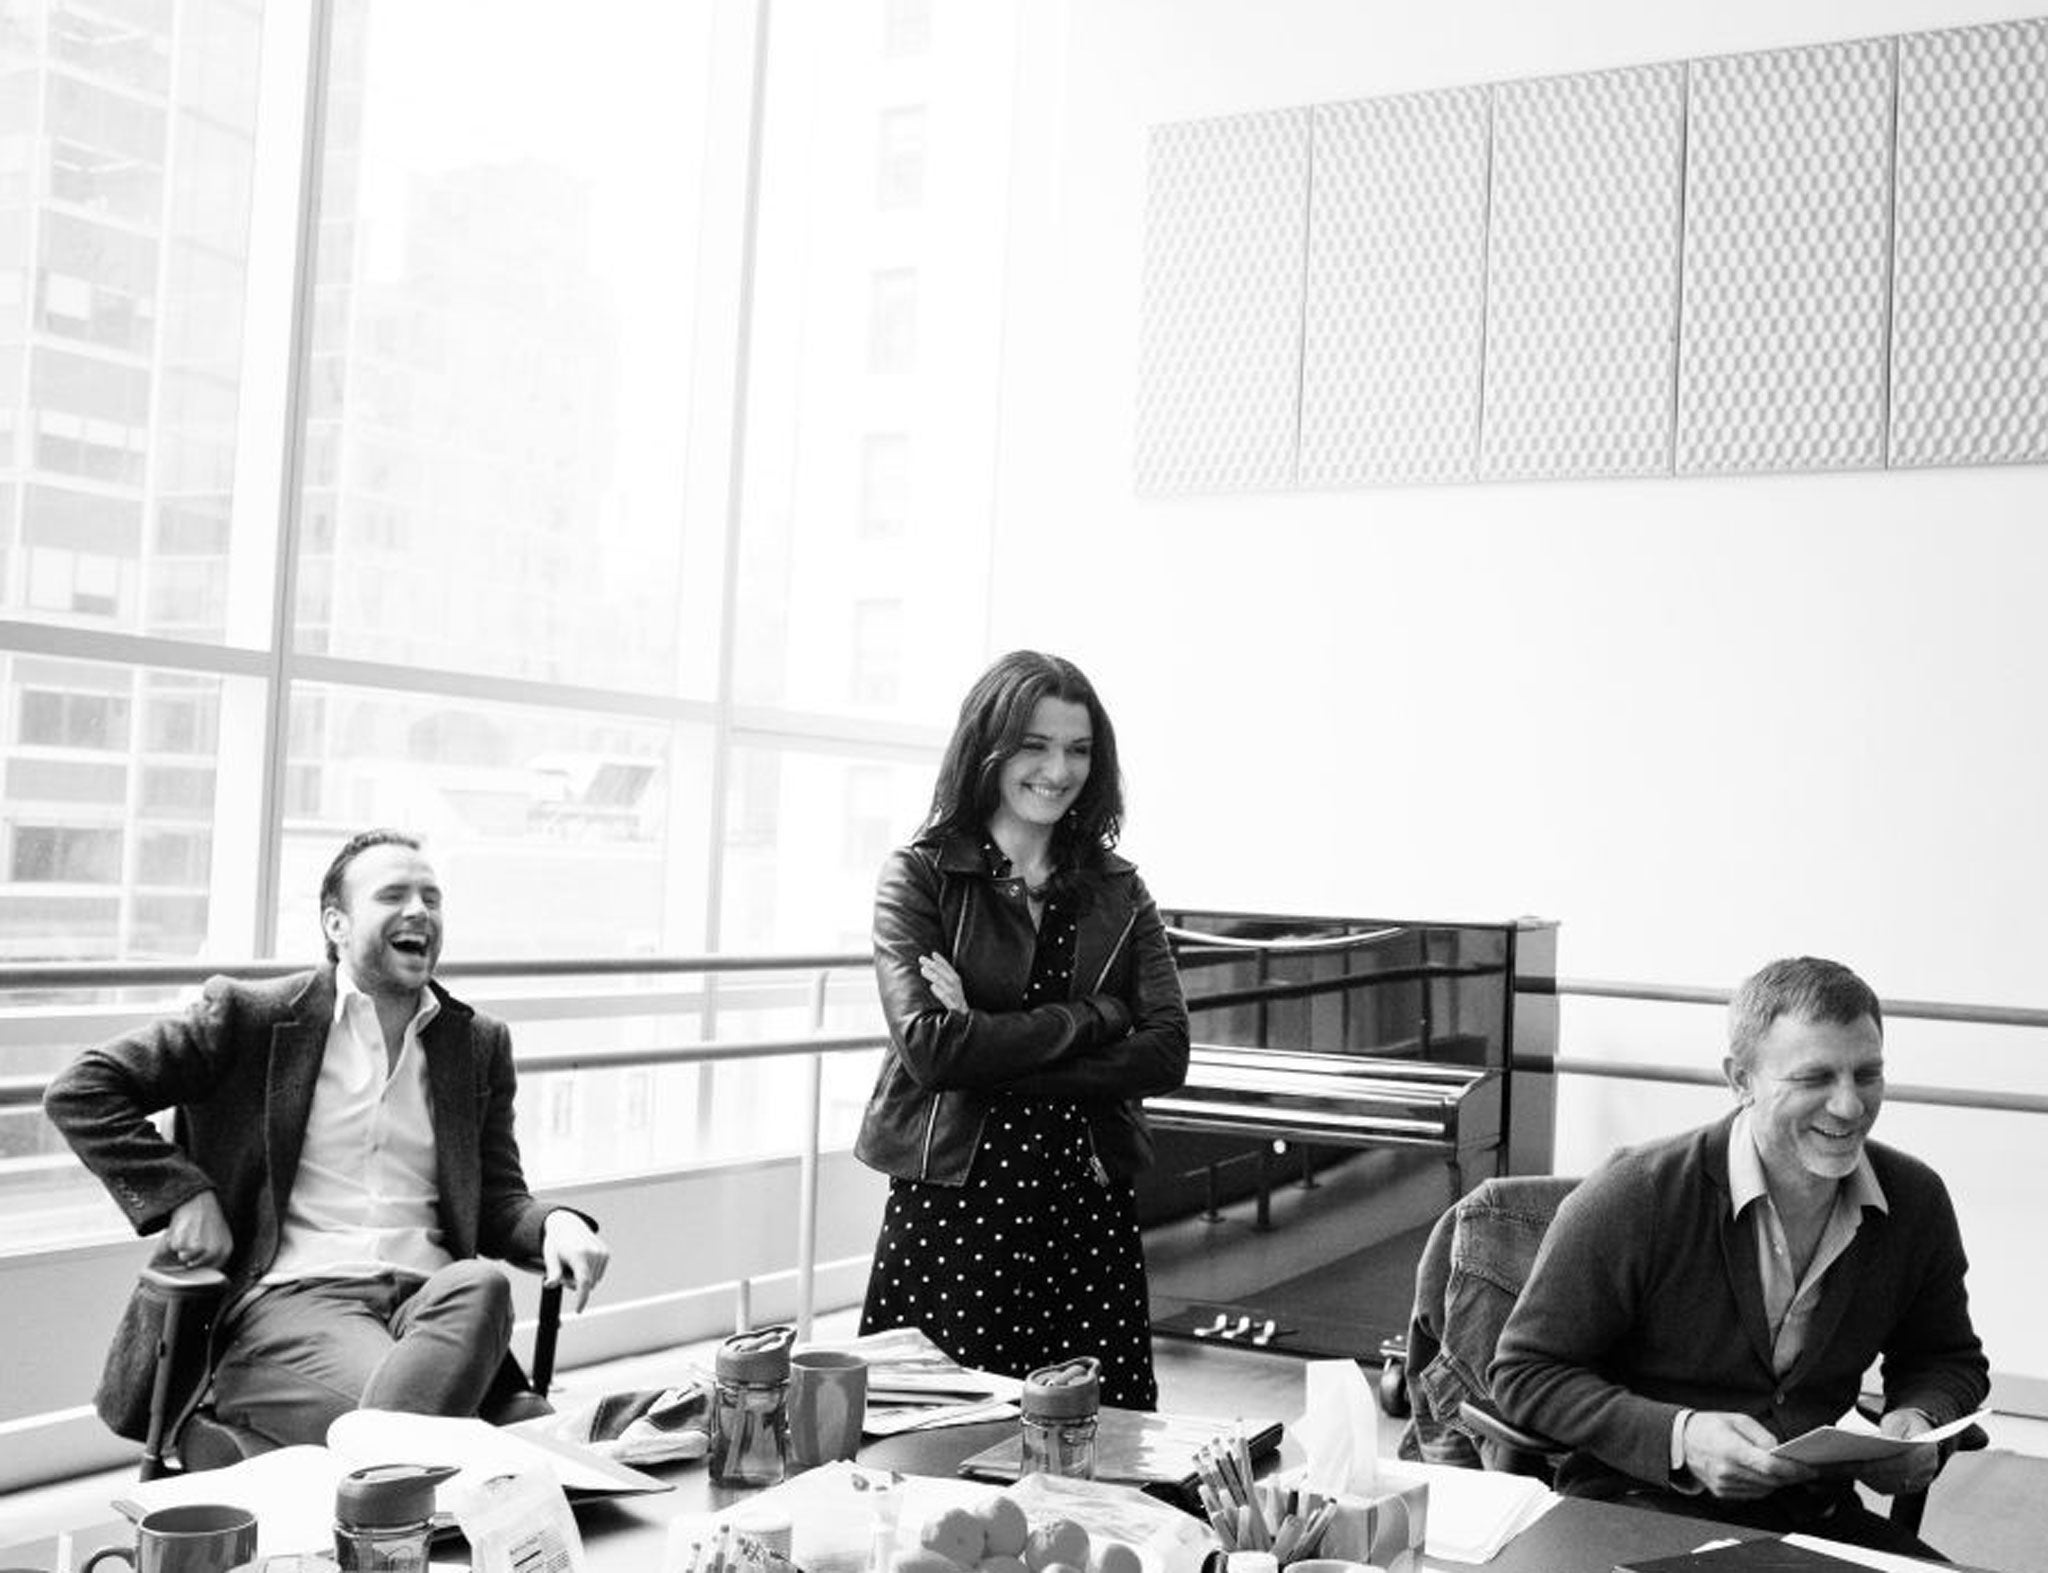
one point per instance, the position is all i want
(993, 720)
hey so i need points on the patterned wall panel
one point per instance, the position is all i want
(1582, 274)
(1787, 260)
(1396, 290)
(1970, 300)
(1219, 376)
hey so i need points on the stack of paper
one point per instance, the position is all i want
(1473, 1512)
(914, 1385)
(291, 1489)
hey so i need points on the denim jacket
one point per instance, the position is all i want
(1472, 1270)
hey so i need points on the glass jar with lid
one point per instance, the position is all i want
(1059, 1405)
(750, 1408)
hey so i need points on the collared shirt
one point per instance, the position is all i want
(1788, 1304)
(363, 1201)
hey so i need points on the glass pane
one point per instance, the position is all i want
(497, 424)
(870, 468)
(806, 834)
(114, 779)
(555, 833)
(123, 273)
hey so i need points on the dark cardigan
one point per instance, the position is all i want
(1646, 1299)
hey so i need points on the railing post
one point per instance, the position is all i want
(807, 1167)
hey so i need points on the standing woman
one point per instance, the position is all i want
(1031, 1002)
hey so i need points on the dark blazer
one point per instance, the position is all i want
(1119, 1036)
(239, 1068)
(1645, 1299)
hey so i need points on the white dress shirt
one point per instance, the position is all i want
(363, 1201)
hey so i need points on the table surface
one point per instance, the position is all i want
(629, 1534)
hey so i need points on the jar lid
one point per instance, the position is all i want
(1065, 1390)
(758, 1356)
(388, 1496)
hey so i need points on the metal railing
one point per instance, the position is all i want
(1894, 1010)
(22, 1091)
(27, 1091)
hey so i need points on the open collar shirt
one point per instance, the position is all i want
(1789, 1302)
(364, 1202)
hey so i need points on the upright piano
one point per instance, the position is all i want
(1338, 1064)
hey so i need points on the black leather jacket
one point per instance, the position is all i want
(1121, 1034)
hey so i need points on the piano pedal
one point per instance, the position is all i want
(1237, 1329)
(1264, 1335)
(1215, 1328)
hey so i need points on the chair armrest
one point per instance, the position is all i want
(547, 1323)
(1392, 1387)
(183, 1283)
(1483, 1422)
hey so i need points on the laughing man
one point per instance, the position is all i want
(1701, 1299)
(343, 1151)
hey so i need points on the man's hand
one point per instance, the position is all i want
(198, 1233)
(573, 1254)
(945, 982)
(1730, 1455)
(1914, 1471)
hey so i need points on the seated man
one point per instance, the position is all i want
(344, 1151)
(1702, 1298)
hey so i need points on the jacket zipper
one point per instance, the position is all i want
(931, 1127)
(1110, 960)
(1095, 1164)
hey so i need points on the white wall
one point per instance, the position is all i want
(1699, 722)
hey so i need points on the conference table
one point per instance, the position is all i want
(629, 1534)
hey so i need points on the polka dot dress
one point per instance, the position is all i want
(1038, 1256)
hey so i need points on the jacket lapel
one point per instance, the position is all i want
(452, 1093)
(1104, 929)
(298, 1044)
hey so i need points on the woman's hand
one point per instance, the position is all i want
(945, 982)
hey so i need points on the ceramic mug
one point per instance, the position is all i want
(828, 1400)
(1330, 1565)
(200, 1537)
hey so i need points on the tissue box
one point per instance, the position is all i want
(1386, 1529)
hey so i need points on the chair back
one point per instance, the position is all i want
(1473, 1267)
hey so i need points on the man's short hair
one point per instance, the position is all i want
(337, 871)
(1807, 988)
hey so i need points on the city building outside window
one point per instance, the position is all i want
(494, 608)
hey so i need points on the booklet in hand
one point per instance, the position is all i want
(1862, 1443)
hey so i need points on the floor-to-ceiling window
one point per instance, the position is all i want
(566, 433)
